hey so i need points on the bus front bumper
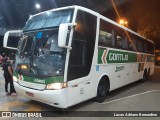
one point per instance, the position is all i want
(56, 98)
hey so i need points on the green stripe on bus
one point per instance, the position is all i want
(121, 57)
(114, 56)
(57, 79)
(47, 80)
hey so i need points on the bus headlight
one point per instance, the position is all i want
(56, 86)
(15, 79)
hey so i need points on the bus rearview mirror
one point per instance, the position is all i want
(11, 37)
(62, 34)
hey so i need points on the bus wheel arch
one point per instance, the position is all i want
(145, 75)
(148, 73)
(103, 88)
(149, 70)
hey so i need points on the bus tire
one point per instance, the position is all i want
(145, 76)
(148, 74)
(101, 91)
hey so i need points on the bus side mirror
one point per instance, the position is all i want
(11, 37)
(62, 34)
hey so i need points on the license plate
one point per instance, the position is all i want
(30, 94)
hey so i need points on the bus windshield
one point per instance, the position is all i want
(49, 19)
(39, 52)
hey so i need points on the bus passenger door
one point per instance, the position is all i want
(11, 39)
(80, 60)
(79, 67)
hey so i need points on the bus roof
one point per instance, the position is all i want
(97, 14)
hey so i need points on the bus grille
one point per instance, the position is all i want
(32, 85)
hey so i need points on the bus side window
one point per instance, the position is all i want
(122, 42)
(105, 38)
(132, 43)
(125, 43)
(130, 46)
(106, 34)
(140, 45)
(150, 48)
(145, 47)
(119, 41)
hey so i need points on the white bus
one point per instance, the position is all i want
(69, 55)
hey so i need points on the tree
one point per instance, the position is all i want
(148, 31)
(148, 27)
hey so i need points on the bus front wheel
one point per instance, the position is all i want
(101, 91)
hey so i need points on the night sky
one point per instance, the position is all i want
(14, 13)
(146, 11)
(144, 14)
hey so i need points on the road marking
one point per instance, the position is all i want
(129, 96)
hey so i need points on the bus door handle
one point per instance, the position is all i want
(74, 85)
(87, 83)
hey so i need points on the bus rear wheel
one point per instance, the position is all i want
(101, 91)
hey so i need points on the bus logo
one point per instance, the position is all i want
(118, 57)
(39, 81)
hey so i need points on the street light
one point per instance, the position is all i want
(37, 6)
(123, 22)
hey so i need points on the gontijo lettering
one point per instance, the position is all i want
(115, 57)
